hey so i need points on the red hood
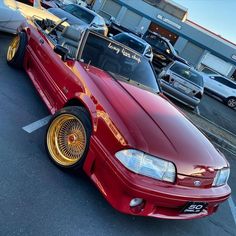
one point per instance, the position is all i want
(156, 127)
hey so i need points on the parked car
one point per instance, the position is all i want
(61, 3)
(221, 87)
(163, 51)
(44, 3)
(13, 13)
(182, 83)
(135, 43)
(110, 119)
(79, 16)
(10, 16)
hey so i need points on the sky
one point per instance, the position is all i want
(219, 16)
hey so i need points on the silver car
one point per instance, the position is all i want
(10, 16)
(182, 83)
(81, 17)
(221, 87)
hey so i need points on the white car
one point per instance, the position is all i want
(66, 2)
(13, 13)
(10, 16)
(221, 87)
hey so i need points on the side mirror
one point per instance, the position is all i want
(110, 21)
(112, 18)
(93, 25)
(60, 50)
(148, 56)
(168, 51)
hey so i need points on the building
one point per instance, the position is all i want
(204, 49)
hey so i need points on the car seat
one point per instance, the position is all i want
(69, 39)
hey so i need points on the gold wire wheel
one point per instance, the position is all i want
(66, 139)
(13, 47)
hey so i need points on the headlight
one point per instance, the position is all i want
(147, 165)
(221, 177)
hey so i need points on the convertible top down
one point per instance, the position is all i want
(110, 119)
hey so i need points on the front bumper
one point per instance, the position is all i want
(161, 200)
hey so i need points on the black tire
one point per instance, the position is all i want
(15, 58)
(231, 102)
(67, 137)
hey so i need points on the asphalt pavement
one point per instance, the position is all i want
(36, 198)
(218, 113)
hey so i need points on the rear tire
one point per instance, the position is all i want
(231, 102)
(68, 136)
(16, 50)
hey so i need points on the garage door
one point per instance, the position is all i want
(217, 64)
(131, 20)
(110, 8)
(192, 53)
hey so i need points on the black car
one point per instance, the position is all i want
(163, 51)
(135, 42)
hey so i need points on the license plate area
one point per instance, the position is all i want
(194, 207)
(181, 87)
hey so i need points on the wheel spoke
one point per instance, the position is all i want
(66, 139)
(13, 48)
(232, 102)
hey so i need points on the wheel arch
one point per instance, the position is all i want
(231, 97)
(85, 102)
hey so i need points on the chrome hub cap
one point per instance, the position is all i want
(232, 102)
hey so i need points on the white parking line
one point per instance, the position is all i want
(232, 208)
(36, 125)
(198, 111)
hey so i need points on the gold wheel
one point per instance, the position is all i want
(66, 140)
(13, 48)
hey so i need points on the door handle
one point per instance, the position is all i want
(41, 41)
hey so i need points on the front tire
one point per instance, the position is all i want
(16, 50)
(68, 137)
(231, 102)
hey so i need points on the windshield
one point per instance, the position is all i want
(187, 73)
(79, 12)
(159, 43)
(130, 42)
(118, 60)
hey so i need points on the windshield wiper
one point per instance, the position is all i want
(121, 77)
(118, 76)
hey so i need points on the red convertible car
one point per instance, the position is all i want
(110, 119)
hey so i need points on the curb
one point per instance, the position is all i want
(220, 141)
(218, 126)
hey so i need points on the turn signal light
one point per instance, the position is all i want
(166, 78)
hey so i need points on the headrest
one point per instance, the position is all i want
(71, 33)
